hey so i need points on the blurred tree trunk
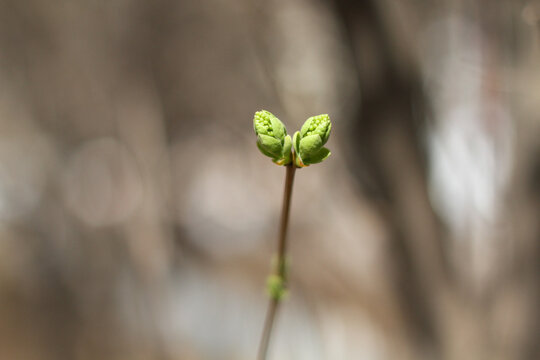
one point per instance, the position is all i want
(390, 162)
(388, 158)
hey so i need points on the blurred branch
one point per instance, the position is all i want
(389, 159)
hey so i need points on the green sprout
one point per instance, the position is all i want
(272, 138)
(309, 141)
(306, 148)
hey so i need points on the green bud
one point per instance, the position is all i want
(272, 138)
(308, 142)
(275, 286)
(317, 125)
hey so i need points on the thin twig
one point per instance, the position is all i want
(267, 330)
(281, 259)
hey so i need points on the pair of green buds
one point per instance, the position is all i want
(273, 141)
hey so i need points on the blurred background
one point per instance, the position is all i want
(138, 219)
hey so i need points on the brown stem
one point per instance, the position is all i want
(280, 267)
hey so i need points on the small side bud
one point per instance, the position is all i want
(275, 287)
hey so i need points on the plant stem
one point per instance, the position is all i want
(280, 266)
